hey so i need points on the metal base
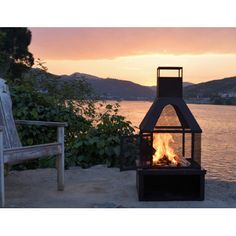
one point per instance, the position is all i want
(171, 184)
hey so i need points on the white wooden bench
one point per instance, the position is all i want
(11, 150)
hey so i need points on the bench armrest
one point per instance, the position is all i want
(45, 123)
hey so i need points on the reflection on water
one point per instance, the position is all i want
(218, 138)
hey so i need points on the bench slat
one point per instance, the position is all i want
(17, 155)
(46, 123)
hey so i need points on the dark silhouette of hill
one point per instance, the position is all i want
(121, 89)
(116, 89)
(110, 88)
(220, 87)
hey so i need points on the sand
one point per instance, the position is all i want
(98, 187)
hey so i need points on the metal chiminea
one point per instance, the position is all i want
(168, 163)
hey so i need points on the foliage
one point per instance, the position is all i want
(29, 104)
(93, 133)
(213, 92)
(15, 58)
(101, 144)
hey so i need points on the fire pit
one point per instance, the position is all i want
(169, 160)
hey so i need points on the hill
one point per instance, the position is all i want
(221, 91)
(211, 88)
(110, 88)
(106, 88)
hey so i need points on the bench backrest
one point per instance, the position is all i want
(10, 136)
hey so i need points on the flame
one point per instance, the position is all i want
(163, 150)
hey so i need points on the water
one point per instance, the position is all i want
(218, 138)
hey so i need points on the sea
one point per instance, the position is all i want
(218, 123)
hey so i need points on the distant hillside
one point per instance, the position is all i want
(221, 91)
(115, 89)
(211, 88)
(110, 88)
(121, 89)
(78, 75)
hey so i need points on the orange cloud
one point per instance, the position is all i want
(110, 43)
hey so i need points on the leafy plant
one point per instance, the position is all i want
(29, 104)
(101, 144)
(93, 133)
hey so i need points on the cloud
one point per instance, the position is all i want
(109, 43)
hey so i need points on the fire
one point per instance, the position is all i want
(164, 153)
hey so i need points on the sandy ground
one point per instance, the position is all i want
(98, 187)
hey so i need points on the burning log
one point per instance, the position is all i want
(164, 154)
(180, 162)
(164, 161)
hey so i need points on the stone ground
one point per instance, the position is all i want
(98, 187)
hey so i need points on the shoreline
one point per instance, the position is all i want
(190, 103)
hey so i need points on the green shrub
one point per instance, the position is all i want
(101, 144)
(29, 104)
(93, 133)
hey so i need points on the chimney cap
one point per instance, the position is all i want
(169, 68)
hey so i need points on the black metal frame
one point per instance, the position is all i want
(162, 182)
(168, 183)
(147, 156)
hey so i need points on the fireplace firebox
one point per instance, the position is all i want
(167, 158)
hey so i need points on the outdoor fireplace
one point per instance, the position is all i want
(168, 162)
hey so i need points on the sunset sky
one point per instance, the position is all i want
(135, 53)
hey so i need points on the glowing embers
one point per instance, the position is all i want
(164, 153)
